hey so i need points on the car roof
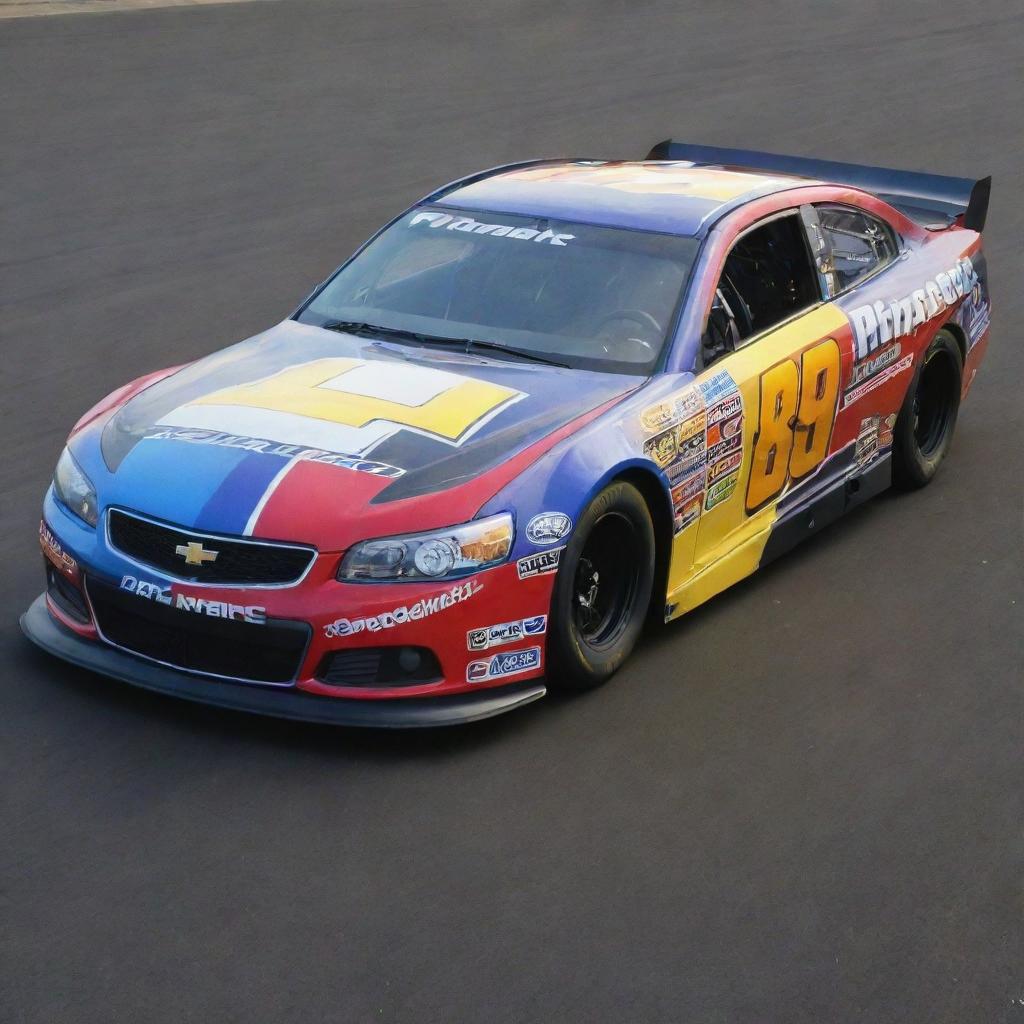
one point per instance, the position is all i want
(673, 196)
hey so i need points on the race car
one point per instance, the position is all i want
(548, 403)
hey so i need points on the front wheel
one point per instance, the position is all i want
(924, 428)
(602, 590)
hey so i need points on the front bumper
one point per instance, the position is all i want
(400, 713)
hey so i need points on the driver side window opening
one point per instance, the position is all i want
(767, 278)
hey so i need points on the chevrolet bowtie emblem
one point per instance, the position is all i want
(195, 554)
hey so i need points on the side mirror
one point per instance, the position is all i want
(721, 334)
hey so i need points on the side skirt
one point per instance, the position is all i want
(797, 520)
(807, 518)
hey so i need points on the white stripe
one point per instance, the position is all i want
(271, 487)
(283, 427)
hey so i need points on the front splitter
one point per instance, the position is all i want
(393, 713)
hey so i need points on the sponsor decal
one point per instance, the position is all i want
(421, 609)
(873, 438)
(219, 439)
(875, 324)
(548, 527)
(725, 409)
(457, 222)
(692, 443)
(255, 615)
(724, 430)
(540, 564)
(662, 448)
(725, 447)
(510, 664)
(669, 412)
(893, 370)
(505, 632)
(721, 490)
(885, 429)
(681, 471)
(54, 550)
(868, 368)
(724, 467)
(866, 447)
(975, 315)
(689, 513)
(717, 386)
(688, 489)
(687, 499)
(692, 427)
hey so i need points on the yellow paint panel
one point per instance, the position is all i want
(726, 544)
(299, 390)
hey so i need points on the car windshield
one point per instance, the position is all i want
(584, 296)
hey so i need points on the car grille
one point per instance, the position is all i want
(239, 562)
(380, 666)
(196, 642)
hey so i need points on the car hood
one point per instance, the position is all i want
(305, 434)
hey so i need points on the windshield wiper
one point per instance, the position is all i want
(361, 327)
(466, 344)
(522, 353)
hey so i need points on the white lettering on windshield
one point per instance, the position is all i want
(450, 222)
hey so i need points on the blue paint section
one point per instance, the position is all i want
(232, 504)
(176, 481)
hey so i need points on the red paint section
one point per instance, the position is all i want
(330, 507)
(382, 615)
(313, 502)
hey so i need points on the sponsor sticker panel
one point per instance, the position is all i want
(511, 663)
(540, 564)
(506, 632)
(873, 438)
(548, 527)
(697, 441)
(720, 491)
(880, 378)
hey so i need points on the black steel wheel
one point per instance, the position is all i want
(602, 590)
(924, 428)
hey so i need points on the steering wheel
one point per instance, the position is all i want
(637, 316)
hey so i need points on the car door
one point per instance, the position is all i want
(774, 358)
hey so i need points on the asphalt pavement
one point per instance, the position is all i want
(800, 803)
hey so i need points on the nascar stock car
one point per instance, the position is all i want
(547, 402)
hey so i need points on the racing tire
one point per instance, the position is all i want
(602, 590)
(924, 427)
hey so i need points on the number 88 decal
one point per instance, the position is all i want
(794, 427)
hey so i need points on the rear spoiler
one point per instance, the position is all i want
(925, 198)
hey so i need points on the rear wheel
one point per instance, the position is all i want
(924, 428)
(602, 590)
